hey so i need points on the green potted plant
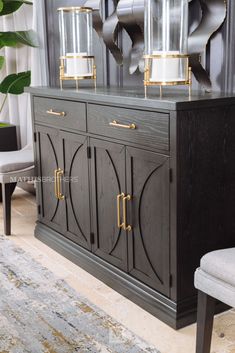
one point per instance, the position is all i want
(15, 82)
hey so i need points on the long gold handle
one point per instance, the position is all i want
(56, 183)
(124, 225)
(116, 124)
(119, 223)
(60, 173)
(51, 112)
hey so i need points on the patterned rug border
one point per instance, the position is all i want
(61, 320)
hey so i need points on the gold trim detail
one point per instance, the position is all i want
(77, 56)
(71, 78)
(75, 8)
(123, 126)
(172, 83)
(167, 56)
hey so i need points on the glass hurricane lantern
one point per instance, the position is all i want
(166, 44)
(77, 61)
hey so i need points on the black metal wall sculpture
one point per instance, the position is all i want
(129, 15)
(213, 16)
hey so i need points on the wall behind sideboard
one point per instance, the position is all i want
(218, 58)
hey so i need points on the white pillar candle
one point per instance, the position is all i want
(165, 69)
(78, 67)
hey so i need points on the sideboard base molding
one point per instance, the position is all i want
(175, 315)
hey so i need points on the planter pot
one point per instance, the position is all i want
(8, 141)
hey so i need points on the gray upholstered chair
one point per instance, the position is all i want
(14, 166)
(215, 280)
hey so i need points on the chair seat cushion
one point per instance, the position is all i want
(16, 160)
(214, 287)
(220, 264)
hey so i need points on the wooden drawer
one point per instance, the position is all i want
(141, 127)
(50, 111)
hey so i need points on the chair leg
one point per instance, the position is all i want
(13, 186)
(205, 318)
(7, 191)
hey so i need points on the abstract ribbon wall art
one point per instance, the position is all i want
(128, 15)
(213, 15)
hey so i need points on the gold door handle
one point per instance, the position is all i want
(52, 112)
(119, 223)
(56, 183)
(124, 225)
(115, 123)
(60, 173)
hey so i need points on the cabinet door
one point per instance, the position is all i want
(108, 181)
(76, 183)
(148, 213)
(49, 159)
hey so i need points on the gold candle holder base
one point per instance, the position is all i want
(64, 77)
(147, 74)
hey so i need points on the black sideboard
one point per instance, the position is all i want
(168, 166)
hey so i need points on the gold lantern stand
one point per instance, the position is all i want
(64, 77)
(147, 74)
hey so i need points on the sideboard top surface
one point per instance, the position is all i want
(171, 100)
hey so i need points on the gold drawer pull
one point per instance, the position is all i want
(60, 173)
(115, 123)
(124, 225)
(119, 224)
(51, 112)
(57, 174)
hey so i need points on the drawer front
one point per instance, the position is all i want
(141, 127)
(60, 113)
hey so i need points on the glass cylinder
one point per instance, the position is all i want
(166, 41)
(76, 45)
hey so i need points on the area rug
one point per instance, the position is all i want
(41, 313)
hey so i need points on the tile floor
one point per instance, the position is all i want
(136, 319)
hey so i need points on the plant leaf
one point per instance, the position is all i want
(10, 6)
(2, 61)
(12, 39)
(1, 6)
(15, 83)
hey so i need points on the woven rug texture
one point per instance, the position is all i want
(41, 313)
